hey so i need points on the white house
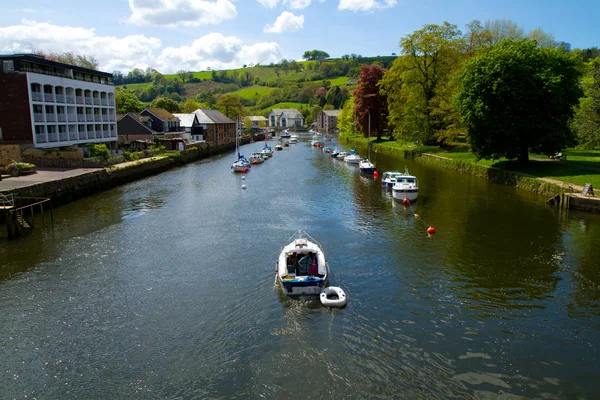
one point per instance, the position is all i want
(285, 117)
(193, 130)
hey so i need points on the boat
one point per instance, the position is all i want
(278, 147)
(266, 152)
(241, 164)
(316, 141)
(352, 157)
(388, 178)
(293, 139)
(334, 153)
(285, 134)
(341, 155)
(302, 268)
(406, 187)
(326, 149)
(286, 143)
(333, 296)
(256, 158)
(367, 166)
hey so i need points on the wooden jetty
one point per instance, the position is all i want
(18, 213)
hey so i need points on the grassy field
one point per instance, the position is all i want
(581, 167)
(250, 92)
(286, 105)
(136, 86)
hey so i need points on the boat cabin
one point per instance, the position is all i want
(302, 261)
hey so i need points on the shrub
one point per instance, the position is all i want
(99, 150)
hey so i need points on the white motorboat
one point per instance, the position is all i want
(267, 152)
(388, 178)
(293, 138)
(334, 153)
(352, 157)
(406, 187)
(285, 134)
(256, 158)
(302, 268)
(316, 141)
(341, 155)
(278, 147)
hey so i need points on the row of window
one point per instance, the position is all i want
(62, 133)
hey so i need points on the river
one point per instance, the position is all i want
(164, 288)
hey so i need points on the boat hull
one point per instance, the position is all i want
(410, 194)
(309, 286)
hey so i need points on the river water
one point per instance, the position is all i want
(164, 288)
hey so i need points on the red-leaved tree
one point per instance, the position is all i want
(369, 101)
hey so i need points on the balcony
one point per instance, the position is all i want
(89, 118)
(37, 96)
(40, 138)
(52, 137)
(72, 117)
(88, 100)
(50, 117)
(39, 117)
(83, 135)
(112, 118)
(97, 118)
(60, 98)
(49, 97)
(70, 99)
(103, 102)
(73, 135)
(91, 135)
(61, 117)
(96, 102)
(111, 103)
(64, 136)
(80, 100)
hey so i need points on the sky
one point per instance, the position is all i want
(194, 35)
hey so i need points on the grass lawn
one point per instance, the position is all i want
(250, 92)
(136, 86)
(286, 105)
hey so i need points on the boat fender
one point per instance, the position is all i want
(333, 290)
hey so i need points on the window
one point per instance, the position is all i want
(8, 66)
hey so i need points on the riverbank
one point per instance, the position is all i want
(65, 185)
(501, 172)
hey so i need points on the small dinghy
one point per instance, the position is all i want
(333, 296)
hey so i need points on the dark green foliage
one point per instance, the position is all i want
(518, 98)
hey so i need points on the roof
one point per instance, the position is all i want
(160, 113)
(212, 117)
(256, 118)
(187, 120)
(37, 59)
(140, 120)
(332, 113)
(289, 112)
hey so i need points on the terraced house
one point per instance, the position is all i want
(47, 104)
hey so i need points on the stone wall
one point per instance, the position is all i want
(9, 153)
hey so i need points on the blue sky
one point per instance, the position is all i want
(170, 35)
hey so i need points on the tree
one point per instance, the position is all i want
(499, 29)
(190, 106)
(346, 118)
(320, 95)
(518, 97)
(127, 102)
(231, 106)
(184, 75)
(544, 39)
(587, 115)
(168, 104)
(369, 101)
(419, 84)
(85, 61)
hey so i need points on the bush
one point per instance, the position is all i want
(99, 150)
(18, 168)
(132, 155)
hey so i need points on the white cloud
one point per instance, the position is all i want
(217, 52)
(293, 4)
(365, 5)
(286, 22)
(113, 53)
(27, 10)
(180, 12)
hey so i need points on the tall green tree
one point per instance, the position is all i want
(587, 116)
(518, 97)
(168, 104)
(127, 102)
(420, 84)
(346, 118)
(231, 106)
(369, 102)
(189, 106)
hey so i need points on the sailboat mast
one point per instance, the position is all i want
(369, 140)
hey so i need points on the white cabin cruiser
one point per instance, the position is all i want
(352, 157)
(406, 187)
(341, 155)
(316, 141)
(388, 179)
(256, 158)
(302, 268)
(293, 138)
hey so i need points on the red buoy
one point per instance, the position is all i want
(430, 230)
(406, 202)
(375, 174)
(244, 170)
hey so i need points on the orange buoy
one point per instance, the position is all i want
(430, 230)
(375, 174)
(406, 202)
